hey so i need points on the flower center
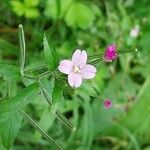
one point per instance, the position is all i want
(76, 69)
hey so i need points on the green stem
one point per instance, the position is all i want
(36, 68)
(99, 60)
(36, 126)
(119, 52)
(95, 56)
(44, 93)
(47, 73)
(22, 49)
(65, 121)
(29, 77)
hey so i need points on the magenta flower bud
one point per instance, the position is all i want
(110, 53)
(107, 103)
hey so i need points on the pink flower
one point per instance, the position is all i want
(77, 69)
(110, 53)
(107, 103)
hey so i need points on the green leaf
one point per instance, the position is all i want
(57, 8)
(10, 124)
(31, 3)
(18, 7)
(80, 15)
(9, 72)
(32, 12)
(51, 56)
(21, 99)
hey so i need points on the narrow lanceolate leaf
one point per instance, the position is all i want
(22, 48)
(51, 56)
(10, 123)
(21, 99)
(36, 126)
(9, 72)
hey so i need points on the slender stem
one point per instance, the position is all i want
(95, 56)
(29, 77)
(119, 52)
(99, 60)
(36, 68)
(38, 128)
(22, 49)
(44, 93)
(47, 73)
(127, 51)
(65, 121)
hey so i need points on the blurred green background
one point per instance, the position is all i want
(89, 25)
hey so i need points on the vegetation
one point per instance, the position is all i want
(39, 109)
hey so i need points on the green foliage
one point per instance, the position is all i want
(75, 14)
(26, 8)
(50, 53)
(10, 124)
(21, 99)
(72, 24)
(10, 121)
(79, 15)
(7, 48)
(57, 8)
(140, 110)
(9, 72)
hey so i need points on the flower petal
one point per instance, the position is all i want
(88, 71)
(74, 79)
(65, 66)
(79, 57)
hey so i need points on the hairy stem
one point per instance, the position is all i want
(22, 49)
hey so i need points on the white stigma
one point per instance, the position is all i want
(76, 69)
(136, 49)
